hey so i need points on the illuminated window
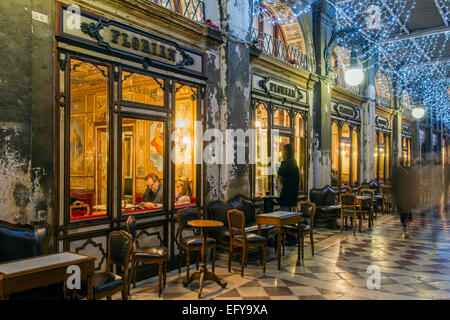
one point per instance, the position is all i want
(355, 156)
(334, 154)
(88, 140)
(345, 154)
(262, 157)
(185, 148)
(300, 148)
(142, 89)
(142, 165)
(281, 118)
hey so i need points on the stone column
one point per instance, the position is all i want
(322, 24)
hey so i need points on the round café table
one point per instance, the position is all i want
(204, 274)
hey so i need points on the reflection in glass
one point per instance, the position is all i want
(185, 148)
(88, 140)
(142, 165)
(261, 174)
(142, 89)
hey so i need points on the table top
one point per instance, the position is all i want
(205, 223)
(48, 260)
(280, 214)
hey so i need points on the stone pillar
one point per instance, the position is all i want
(322, 24)
(228, 96)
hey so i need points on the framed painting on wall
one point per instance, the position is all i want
(78, 105)
(101, 108)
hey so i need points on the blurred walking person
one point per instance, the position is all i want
(402, 180)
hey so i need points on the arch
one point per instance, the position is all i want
(383, 88)
(297, 34)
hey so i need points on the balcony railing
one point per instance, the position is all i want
(192, 9)
(281, 50)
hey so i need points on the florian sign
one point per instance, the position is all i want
(125, 41)
(346, 112)
(279, 89)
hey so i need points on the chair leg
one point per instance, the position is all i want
(283, 242)
(131, 273)
(342, 223)
(160, 269)
(230, 253)
(260, 255)
(311, 236)
(198, 259)
(303, 246)
(165, 273)
(213, 258)
(134, 274)
(354, 226)
(360, 222)
(244, 254)
(180, 253)
(124, 294)
(188, 262)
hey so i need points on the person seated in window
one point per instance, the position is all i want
(183, 192)
(153, 194)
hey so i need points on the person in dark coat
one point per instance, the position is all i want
(289, 177)
(403, 183)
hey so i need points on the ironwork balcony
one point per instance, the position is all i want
(192, 9)
(281, 50)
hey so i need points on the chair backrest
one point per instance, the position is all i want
(236, 222)
(79, 208)
(131, 226)
(120, 246)
(23, 240)
(386, 190)
(322, 197)
(183, 216)
(348, 200)
(309, 211)
(369, 193)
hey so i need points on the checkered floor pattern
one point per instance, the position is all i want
(343, 267)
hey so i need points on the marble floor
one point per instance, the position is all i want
(374, 264)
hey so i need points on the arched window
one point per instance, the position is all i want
(383, 88)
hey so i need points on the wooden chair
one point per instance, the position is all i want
(387, 202)
(238, 238)
(191, 243)
(154, 254)
(348, 209)
(308, 210)
(367, 205)
(107, 283)
(81, 209)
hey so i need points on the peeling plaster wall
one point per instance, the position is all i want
(15, 105)
(26, 121)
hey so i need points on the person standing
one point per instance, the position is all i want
(289, 177)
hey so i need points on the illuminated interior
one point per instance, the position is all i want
(281, 118)
(262, 156)
(142, 142)
(88, 139)
(406, 151)
(334, 154)
(344, 148)
(299, 148)
(185, 148)
(382, 154)
(279, 142)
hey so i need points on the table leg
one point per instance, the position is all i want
(203, 269)
(279, 248)
(90, 287)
